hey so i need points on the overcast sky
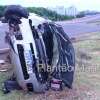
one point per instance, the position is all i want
(80, 4)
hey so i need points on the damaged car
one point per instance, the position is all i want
(41, 52)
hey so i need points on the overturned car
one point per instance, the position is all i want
(40, 50)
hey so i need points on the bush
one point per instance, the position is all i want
(1, 10)
(80, 15)
(52, 15)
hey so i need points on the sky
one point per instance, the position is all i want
(79, 4)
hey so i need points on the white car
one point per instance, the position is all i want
(24, 54)
(37, 43)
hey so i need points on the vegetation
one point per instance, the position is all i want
(85, 13)
(52, 15)
(80, 15)
(87, 75)
(1, 10)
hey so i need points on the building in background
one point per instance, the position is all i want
(70, 11)
(59, 9)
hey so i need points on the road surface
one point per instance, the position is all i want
(73, 30)
(80, 26)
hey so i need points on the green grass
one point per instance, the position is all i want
(91, 47)
(87, 81)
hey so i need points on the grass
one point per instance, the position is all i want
(90, 75)
(87, 75)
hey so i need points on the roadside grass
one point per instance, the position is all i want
(88, 70)
(87, 75)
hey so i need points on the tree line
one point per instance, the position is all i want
(52, 15)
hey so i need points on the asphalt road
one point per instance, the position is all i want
(81, 26)
(75, 29)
